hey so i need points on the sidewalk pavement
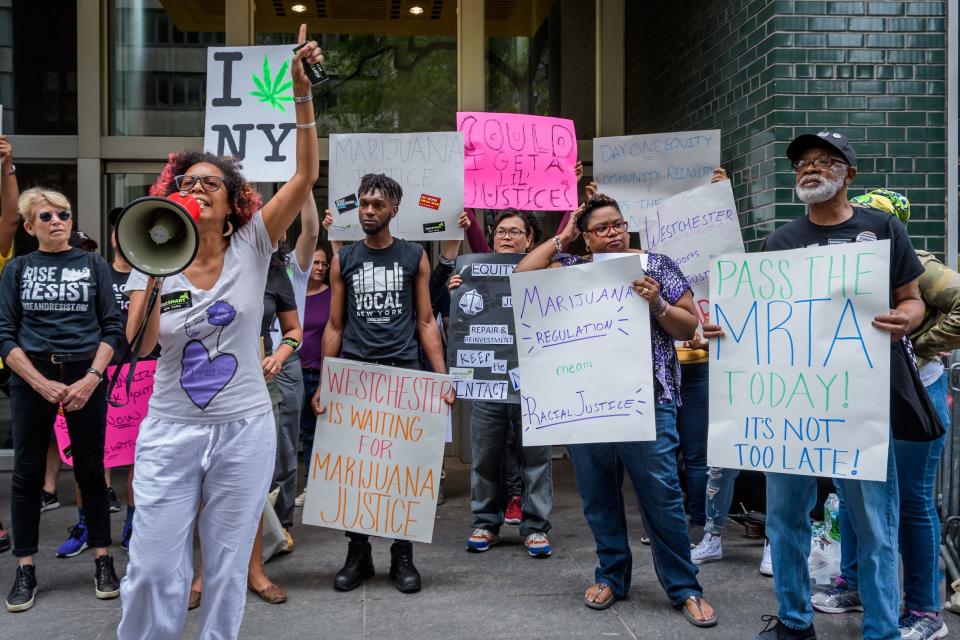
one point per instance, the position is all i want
(501, 594)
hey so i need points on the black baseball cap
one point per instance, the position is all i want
(80, 240)
(114, 215)
(836, 142)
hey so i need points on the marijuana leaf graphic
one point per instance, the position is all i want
(272, 89)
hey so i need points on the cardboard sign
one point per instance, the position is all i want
(800, 383)
(378, 449)
(518, 161)
(583, 340)
(250, 110)
(481, 321)
(691, 227)
(640, 172)
(429, 168)
(123, 423)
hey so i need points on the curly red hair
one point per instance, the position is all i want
(244, 199)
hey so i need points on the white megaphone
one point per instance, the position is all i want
(159, 236)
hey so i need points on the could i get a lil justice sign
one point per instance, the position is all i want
(250, 111)
(375, 465)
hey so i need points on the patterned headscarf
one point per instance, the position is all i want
(885, 200)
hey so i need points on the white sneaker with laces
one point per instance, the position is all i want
(709, 550)
(766, 562)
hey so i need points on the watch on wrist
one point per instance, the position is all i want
(94, 371)
(13, 170)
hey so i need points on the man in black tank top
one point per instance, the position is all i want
(380, 313)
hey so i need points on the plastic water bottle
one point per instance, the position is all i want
(831, 516)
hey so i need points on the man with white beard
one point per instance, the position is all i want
(825, 164)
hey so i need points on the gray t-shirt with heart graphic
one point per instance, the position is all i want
(209, 370)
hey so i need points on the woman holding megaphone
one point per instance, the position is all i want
(209, 434)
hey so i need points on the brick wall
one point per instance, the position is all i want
(765, 70)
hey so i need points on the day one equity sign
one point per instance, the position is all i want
(641, 171)
(377, 452)
(800, 383)
(250, 110)
(518, 161)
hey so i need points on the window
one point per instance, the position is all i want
(158, 67)
(38, 68)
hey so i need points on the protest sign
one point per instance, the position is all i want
(583, 341)
(375, 466)
(800, 383)
(640, 172)
(429, 168)
(482, 354)
(518, 161)
(123, 423)
(250, 110)
(691, 227)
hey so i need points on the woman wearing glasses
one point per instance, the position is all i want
(209, 434)
(59, 327)
(491, 424)
(652, 465)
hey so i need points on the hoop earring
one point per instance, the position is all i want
(229, 231)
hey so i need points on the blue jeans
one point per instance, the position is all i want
(489, 426)
(919, 522)
(652, 467)
(872, 511)
(692, 428)
(719, 495)
(308, 420)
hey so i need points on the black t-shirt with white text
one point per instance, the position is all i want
(58, 302)
(380, 318)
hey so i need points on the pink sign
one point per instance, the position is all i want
(123, 423)
(518, 161)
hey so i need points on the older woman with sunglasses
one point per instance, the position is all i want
(59, 327)
(209, 434)
(652, 465)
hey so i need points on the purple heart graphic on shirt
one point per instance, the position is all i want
(203, 377)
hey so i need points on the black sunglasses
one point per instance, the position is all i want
(47, 216)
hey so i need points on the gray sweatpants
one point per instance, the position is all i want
(227, 466)
(290, 383)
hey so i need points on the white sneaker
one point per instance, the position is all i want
(709, 550)
(766, 562)
(301, 499)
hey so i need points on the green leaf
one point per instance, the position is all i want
(260, 86)
(280, 76)
(284, 87)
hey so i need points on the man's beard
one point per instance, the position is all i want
(372, 231)
(826, 189)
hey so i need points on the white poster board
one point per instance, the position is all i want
(250, 110)
(583, 341)
(800, 383)
(375, 466)
(691, 227)
(642, 171)
(429, 168)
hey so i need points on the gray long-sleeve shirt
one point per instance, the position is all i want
(58, 303)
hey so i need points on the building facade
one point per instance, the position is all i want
(95, 105)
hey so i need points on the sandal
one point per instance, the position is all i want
(600, 605)
(700, 621)
(271, 595)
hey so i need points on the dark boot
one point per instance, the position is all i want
(405, 576)
(106, 582)
(356, 568)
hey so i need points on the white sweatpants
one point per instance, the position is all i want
(229, 466)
